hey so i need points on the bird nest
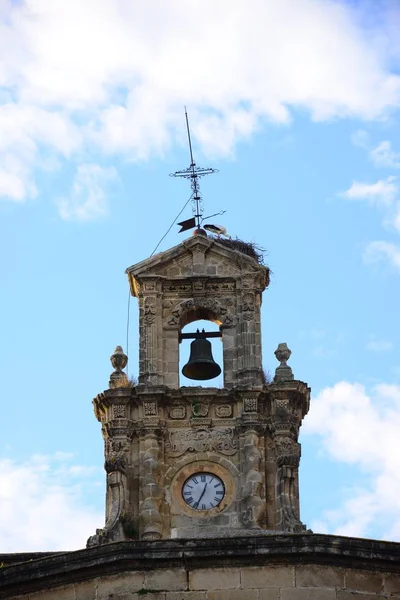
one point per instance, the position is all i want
(245, 248)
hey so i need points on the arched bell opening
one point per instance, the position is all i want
(200, 350)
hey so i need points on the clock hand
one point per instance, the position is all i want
(202, 494)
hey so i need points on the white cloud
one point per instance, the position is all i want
(25, 131)
(377, 345)
(384, 156)
(381, 193)
(114, 76)
(378, 251)
(360, 138)
(361, 429)
(42, 504)
(87, 199)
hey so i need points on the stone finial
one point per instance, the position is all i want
(283, 372)
(119, 361)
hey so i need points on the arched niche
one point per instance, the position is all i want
(189, 312)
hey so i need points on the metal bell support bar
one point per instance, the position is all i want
(201, 365)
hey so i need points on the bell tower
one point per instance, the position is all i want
(190, 462)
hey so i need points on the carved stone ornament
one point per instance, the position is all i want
(283, 372)
(116, 459)
(282, 405)
(119, 360)
(248, 305)
(149, 311)
(202, 440)
(223, 411)
(250, 405)
(177, 412)
(119, 411)
(287, 451)
(219, 307)
(199, 409)
(149, 408)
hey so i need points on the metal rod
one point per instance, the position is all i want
(195, 336)
(194, 177)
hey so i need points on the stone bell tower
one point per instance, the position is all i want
(191, 462)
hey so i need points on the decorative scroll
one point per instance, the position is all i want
(202, 440)
(220, 308)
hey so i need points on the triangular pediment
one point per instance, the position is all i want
(197, 256)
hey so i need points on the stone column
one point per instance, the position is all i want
(150, 487)
(253, 507)
(249, 339)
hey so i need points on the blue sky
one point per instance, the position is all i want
(296, 103)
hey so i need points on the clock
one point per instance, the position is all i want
(203, 491)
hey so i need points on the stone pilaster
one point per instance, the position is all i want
(151, 490)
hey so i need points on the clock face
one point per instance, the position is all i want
(203, 491)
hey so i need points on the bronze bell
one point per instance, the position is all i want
(201, 364)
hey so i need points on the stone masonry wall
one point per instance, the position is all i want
(271, 567)
(280, 582)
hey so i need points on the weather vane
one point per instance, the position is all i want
(193, 173)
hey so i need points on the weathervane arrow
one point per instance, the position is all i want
(188, 224)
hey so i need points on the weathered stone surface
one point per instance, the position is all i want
(308, 594)
(186, 596)
(269, 594)
(59, 593)
(233, 595)
(122, 583)
(133, 566)
(214, 579)
(366, 581)
(166, 579)
(391, 583)
(319, 576)
(349, 595)
(86, 590)
(266, 577)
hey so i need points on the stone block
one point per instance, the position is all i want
(58, 593)
(347, 595)
(166, 579)
(232, 595)
(86, 590)
(319, 576)
(185, 596)
(391, 583)
(308, 594)
(364, 581)
(269, 594)
(122, 583)
(265, 577)
(214, 579)
(141, 596)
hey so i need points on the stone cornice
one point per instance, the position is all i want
(63, 568)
